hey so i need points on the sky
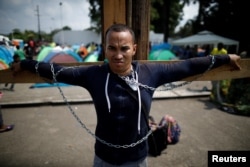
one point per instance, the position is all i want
(23, 14)
(190, 12)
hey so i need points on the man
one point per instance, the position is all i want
(220, 50)
(4, 127)
(222, 85)
(121, 123)
(20, 53)
(16, 59)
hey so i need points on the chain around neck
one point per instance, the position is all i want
(128, 80)
(171, 86)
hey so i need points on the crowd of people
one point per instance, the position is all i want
(200, 51)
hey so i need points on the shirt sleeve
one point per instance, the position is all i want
(69, 75)
(176, 71)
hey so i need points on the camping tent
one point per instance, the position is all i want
(6, 55)
(162, 55)
(56, 56)
(203, 38)
(161, 52)
(49, 54)
(62, 57)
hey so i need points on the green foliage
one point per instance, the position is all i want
(235, 95)
(225, 18)
(66, 28)
(157, 13)
(95, 15)
(239, 92)
(165, 16)
(27, 34)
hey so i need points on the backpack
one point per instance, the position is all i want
(157, 140)
(166, 132)
(173, 130)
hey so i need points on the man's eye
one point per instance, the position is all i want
(124, 49)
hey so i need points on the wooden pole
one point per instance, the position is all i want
(141, 27)
(220, 73)
(136, 13)
(114, 11)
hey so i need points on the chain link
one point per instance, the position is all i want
(129, 81)
(36, 67)
(169, 86)
(84, 126)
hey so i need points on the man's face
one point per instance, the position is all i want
(119, 50)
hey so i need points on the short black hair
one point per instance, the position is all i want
(15, 56)
(220, 45)
(120, 28)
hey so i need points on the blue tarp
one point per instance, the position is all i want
(6, 54)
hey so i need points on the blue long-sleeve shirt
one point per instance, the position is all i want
(117, 111)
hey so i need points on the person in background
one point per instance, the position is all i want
(82, 52)
(204, 50)
(220, 50)
(16, 59)
(4, 42)
(4, 127)
(188, 52)
(219, 88)
(30, 48)
(20, 52)
(122, 91)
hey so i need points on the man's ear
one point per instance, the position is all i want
(134, 49)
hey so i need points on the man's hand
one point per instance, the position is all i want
(234, 61)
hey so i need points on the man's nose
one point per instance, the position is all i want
(119, 54)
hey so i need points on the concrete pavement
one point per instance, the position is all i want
(23, 95)
(47, 135)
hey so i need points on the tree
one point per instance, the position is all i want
(186, 30)
(17, 34)
(225, 18)
(95, 15)
(67, 28)
(165, 16)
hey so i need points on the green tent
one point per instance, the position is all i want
(161, 55)
(43, 53)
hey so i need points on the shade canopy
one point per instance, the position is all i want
(203, 38)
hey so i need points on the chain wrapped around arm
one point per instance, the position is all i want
(84, 126)
(126, 79)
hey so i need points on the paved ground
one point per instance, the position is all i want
(46, 133)
(24, 95)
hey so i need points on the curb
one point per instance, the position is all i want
(78, 101)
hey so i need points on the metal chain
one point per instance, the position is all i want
(129, 81)
(84, 126)
(170, 86)
(36, 67)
